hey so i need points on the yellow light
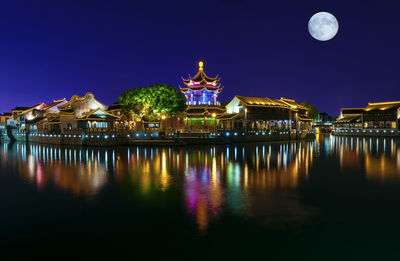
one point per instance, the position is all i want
(201, 64)
(163, 117)
(213, 115)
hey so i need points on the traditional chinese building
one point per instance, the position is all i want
(254, 114)
(203, 106)
(85, 114)
(30, 118)
(378, 118)
(350, 118)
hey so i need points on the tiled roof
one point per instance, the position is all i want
(382, 105)
(261, 101)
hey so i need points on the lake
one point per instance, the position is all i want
(333, 198)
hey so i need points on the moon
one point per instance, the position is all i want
(323, 26)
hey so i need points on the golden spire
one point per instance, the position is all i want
(201, 66)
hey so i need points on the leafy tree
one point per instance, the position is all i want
(313, 112)
(152, 102)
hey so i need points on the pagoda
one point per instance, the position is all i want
(201, 93)
(201, 89)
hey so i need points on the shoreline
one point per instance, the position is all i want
(119, 141)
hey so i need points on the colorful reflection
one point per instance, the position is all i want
(214, 179)
(80, 171)
(210, 182)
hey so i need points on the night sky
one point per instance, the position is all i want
(55, 49)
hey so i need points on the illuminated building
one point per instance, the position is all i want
(265, 114)
(378, 119)
(201, 93)
(78, 114)
(350, 118)
(31, 116)
(85, 114)
(382, 115)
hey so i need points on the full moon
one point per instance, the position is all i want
(323, 26)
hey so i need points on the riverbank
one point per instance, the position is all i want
(131, 140)
(367, 132)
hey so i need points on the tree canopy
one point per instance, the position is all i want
(312, 110)
(152, 102)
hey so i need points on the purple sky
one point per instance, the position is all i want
(55, 49)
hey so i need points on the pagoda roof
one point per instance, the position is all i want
(201, 81)
(54, 103)
(293, 104)
(382, 106)
(264, 102)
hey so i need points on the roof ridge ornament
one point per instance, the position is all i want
(201, 65)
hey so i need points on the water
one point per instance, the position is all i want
(336, 198)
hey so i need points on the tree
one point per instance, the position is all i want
(152, 102)
(313, 112)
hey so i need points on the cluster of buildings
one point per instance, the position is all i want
(204, 114)
(77, 115)
(241, 114)
(378, 119)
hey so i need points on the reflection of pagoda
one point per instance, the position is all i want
(201, 94)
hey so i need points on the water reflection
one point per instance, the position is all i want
(256, 181)
(380, 157)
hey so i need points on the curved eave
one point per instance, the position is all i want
(185, 89)
(269, 106)
(201, 76)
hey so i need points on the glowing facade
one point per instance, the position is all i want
(203, 107)
(201, 89)
(254, 114)
(376, 119)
